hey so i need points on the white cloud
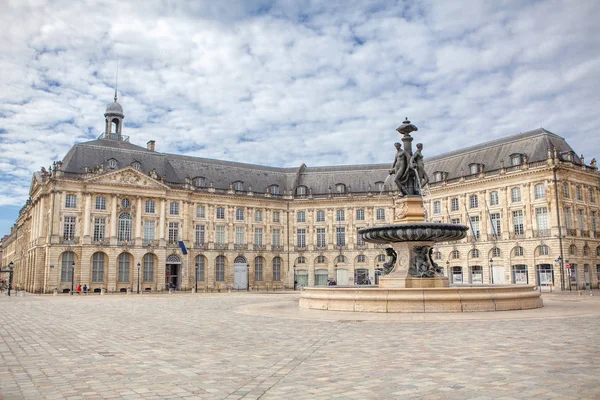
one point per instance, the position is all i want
(318, 82)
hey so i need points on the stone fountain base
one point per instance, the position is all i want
(423, 300)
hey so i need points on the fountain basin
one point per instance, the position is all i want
(423, 300)
(414, 232)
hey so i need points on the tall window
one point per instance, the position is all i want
(340, 215)
(258, 216)
(274, 189)
(276, 237)
(475, 225)
(565, 190)
(240, 235)
(199, 182)
(541, 215)
(100, 203)
(321, 260)
(473, 201)
(321, 242)
(220, 213)
(149, 231)
(340, 188)
(71, 201)
(359, 239)
(173, 232)
(301, 216)
(544, 250)
(515, 194)
(258, 236)
(201, 264)
(496, 223)
(123, 269)
(220, 269)
(340, 236)
(174, 208)
(594, 222)
(238, 186)
(200, 212)
(276, 216)
(494, 201)
(437, 207)
(455, 254)
(519, 251)
(69, 228)
(580, 220)
(98, 267)
(361, 258)
(239, 214)
(578, 194)
(150, 207)
(301, 237)
(258, 269)
(568, 222)
(454, 204)
(518, 227)
(301, 191)
(66, 270)
(496, 252)
(540, 191)
(99, 228)
(360, 214)
(455, 221)
(277, 269)
(474, 168)
(592, 196)
(220, 234)
(381, 258)
(125, 222)
(380, 214)
(148, 261)
(474, 253)
(200, 234)
(320, 215)
(125, 203)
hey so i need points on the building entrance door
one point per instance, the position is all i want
(240, 274)
(586, 275)
(497, 275)
(342, 277)
(173, 272)
(545, 274)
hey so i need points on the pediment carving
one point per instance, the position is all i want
(127, 177)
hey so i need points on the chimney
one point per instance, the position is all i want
(150, 145)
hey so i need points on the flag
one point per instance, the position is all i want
(470, 224)
(490, 217)
(183, 249)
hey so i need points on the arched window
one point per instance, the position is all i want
(361, 258)
(66, 270)
(340, 259)
(301, 191)
(277, 269)
(123, 269)
(455, 254)
(474, 253)
(199, 182)
(586, 250)
(598, 251)
(112, 163)
(148, 261)
(98, 267)
(437, 255)
(321, 260)
(457, 276)
(573, 250)
(258, 269)
(220, 269)
(340, 188)
(114, 125)
(136, 165)
(200, 265)
(381, 258)
(125, 222)
(518, 251)
(544, 250)
(301, 260)
(496, 252)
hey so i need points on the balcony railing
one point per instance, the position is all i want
(260, 247)
(221, 246)
(321, 247)
(173, 244)
(201, 246)
(514, 235)
(69, 240)
(585, 233)
(571, 232)
(125, 242)
(542, 233)
(276, 247)
(300, 248)
(240, 246)
(101, 242)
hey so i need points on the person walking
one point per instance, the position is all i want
(84, 289)
(79, 289)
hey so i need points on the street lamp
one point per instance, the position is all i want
(138, 285)
(10, 276)
(294, 276)
(491, 271)
(72, 277)
(196, 286)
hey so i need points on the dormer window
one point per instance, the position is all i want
(238, 186)
(379, 186)
(438, 176)
(301, 191)
(199, 182)
(516, 159)
(274, 189)
(340, 188)
(474, 168)
(112, 163)
(136, 165)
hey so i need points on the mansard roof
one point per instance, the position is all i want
(534, 145)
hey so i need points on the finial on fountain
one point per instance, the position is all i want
(406, 128)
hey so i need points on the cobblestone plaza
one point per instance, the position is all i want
(259, 345)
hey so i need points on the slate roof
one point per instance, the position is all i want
(357, 178)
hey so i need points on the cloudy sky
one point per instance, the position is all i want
(281, 83)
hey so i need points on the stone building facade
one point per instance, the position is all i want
(116, 216)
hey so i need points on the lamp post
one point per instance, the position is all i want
(247, 277)
(196, 275)
(72, 277)
(491, 271)
(138, 284)
(294, 276)
(10, 276)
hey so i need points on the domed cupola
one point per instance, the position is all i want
(114, 120)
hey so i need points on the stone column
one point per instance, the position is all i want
(113, 219)
(138, 220)
(87, 215)
(161, 224)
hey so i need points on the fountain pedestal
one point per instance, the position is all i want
(400, 276)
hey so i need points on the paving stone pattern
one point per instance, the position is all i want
(200, 347)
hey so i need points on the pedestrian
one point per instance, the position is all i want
(79, 289)
(84, 289)
(368, 281)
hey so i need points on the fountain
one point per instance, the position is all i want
(412, 281)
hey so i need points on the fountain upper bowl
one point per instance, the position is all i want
(414, 232)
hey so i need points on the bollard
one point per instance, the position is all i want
(128, 291)
(55, 293)
(194, 290)
(170, 291)
(102, 292)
